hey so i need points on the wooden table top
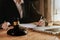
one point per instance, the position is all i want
(31, 35)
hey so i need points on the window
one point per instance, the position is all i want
(55, 10)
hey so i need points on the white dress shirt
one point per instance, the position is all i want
(19, 8)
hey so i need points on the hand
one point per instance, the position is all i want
(5, 25)
(40, 23)
(10, 27)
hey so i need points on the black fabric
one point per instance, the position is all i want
(9, 12)
(30, 14)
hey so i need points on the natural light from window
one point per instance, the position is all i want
(56, 10)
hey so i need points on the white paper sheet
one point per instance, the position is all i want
(55, 29)
(29, 25)
(34, 27)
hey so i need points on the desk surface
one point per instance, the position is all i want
(31, 35)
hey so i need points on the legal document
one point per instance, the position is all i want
(28, 25)
(48, 29)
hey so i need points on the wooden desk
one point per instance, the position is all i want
(31, 35)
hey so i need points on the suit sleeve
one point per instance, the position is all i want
(1, 11)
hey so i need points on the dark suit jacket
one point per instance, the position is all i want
(9, 12)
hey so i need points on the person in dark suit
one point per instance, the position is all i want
(9, 12)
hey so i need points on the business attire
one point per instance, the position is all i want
(9, 12)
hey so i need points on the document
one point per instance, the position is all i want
(28, 25)
(49, 29)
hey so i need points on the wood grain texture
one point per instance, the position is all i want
(31, 35)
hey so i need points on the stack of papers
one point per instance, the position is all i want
(48, 29)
